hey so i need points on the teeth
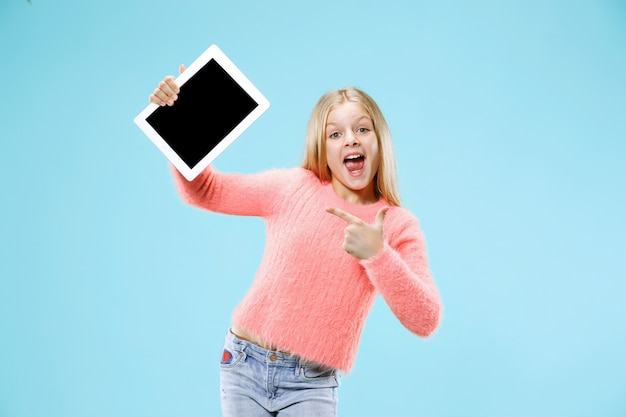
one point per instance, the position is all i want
(353, 156)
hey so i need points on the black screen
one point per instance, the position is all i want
(210, 105)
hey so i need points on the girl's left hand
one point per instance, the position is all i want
(361, 239)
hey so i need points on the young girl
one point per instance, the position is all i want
(336, 237)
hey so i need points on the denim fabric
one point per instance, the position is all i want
(256, 382)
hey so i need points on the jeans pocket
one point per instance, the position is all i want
(232, 355)
(315, 372)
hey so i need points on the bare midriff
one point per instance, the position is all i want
(243, 334)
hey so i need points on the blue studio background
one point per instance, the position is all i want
(508, 123)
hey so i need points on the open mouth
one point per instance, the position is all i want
(354, 163)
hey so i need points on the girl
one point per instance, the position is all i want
(336, 237)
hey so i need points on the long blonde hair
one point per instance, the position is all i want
(385, 181)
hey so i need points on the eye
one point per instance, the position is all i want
(334, 135)
(362, 130)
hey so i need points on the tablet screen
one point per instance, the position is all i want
(216, 104)
(210, 105)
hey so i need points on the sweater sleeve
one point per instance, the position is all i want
(236, 194)
(401, 274)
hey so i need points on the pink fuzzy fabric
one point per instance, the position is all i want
(310, 297)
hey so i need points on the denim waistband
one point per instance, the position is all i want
(272, 357)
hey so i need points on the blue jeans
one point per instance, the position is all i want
(256, 382)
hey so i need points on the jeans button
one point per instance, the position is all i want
(273, 357)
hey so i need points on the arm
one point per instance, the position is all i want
(237, 194)
(394, 258)
(400, 272)
(224, 193)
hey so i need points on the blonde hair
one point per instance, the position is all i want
(385, 182)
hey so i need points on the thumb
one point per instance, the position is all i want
(181, 69)
(380, 216)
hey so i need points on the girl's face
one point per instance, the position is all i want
(352, 153)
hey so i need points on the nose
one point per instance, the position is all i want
(350, 139)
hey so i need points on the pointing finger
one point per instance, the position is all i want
(344, 215)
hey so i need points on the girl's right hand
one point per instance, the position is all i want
(167, 91)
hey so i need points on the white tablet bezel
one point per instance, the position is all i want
(213, 52)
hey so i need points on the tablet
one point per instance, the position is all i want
(216, 104)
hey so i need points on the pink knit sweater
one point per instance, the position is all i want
(310, 297)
